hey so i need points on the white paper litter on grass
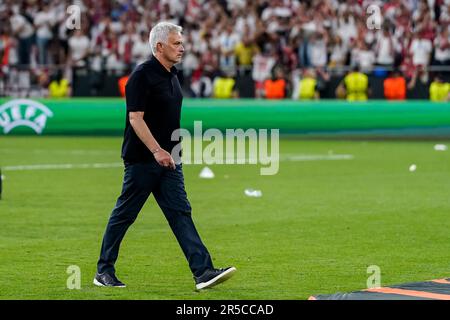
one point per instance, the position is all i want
(440, 147)
(253, 193)
(206, 173)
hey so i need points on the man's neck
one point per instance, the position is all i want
(166, 64)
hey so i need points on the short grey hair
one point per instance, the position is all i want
(160, 33)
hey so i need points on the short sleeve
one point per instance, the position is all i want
(136, 91)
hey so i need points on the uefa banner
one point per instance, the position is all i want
(106, 116)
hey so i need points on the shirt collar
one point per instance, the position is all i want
(161, 69)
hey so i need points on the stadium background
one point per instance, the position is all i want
(360, 183)
(245, 40)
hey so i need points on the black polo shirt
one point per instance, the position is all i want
(157, 92)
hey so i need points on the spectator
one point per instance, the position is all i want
(224, 86)
(426, 26)
(289, 57)
(275, 88)
(421, 48)
(245, 50)
(275, 9)
(395, 86)
(44, 22)
(96, 70)
(365, 58)
(346, 28)
(209, 59)
(202, 86)
(355, 85)
(249, 17)
(122, 82)
(339, 51)
(318, 50)
(79, 49)
(228, 41)
(407, 67)
(442, 48)
(114, 62)
(439, 90)
(23, 29)
(263, 64)
(40, 90)
(307, 86)
(125, 44)
(444, 18)
(141, 49)
(6, 56)
(190, 63)
(385, 49)
(60, 46)
(59, 87)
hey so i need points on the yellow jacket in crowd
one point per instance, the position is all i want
(58, 89)
(307, 88)
(356, 85)
(439, 91)
(223, 87)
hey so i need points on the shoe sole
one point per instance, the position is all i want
(219, 279)
(99, 284)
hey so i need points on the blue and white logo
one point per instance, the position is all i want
(24, 112)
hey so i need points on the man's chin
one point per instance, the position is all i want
(175, 61)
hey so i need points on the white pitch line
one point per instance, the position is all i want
(285, 157)
(59, 151)
(63, 166)
(294, 158)
(317, 157)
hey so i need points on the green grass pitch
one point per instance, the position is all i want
(315, 230)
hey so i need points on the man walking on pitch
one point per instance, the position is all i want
(153, 98)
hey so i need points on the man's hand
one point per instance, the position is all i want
(164, 158)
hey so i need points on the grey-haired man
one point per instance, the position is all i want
(154, 98)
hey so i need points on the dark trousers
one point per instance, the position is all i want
(167, 186)
(24, 51)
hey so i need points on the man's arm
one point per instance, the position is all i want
(143, 132)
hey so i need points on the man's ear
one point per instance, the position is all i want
(158, 44)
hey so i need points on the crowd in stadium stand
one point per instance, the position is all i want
(279, 42)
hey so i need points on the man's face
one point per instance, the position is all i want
(173, 50)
